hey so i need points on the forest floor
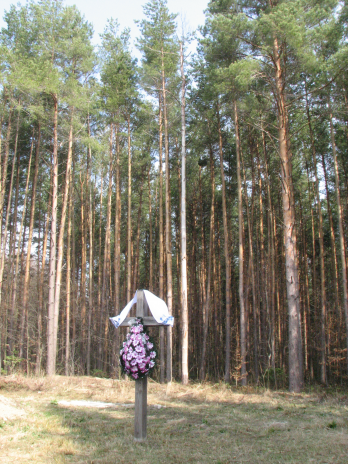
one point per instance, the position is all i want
(91, 420)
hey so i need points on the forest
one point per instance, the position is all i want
(218, 180)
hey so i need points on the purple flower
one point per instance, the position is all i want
(149, 345)
(135, 376)
(153, 354)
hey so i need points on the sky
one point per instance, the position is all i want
(125, 11)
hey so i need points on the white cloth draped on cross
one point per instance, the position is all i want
(158, 308)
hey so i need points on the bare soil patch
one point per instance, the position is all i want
(90, 420)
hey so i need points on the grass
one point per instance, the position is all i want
(201, 423)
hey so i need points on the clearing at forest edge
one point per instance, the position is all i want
(62, 420)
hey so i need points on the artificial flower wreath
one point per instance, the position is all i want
(137, 356)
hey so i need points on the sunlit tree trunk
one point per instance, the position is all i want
(161, 244)
(295, 362)
(24, 315)
(184, 307)
(243, 321)
(4, 237)
(51, 347)
(107, 251)
(129, 219)
(168, 228)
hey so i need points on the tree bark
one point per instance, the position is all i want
(24, 315)
(4, 236)
(184, 307)
(322, 253)
(168, 228)
(227, 259)
(31, 222)
(243, 321)
(51, 347)
(161, 244)
(340, 224)
(129, 220)
(293, 297)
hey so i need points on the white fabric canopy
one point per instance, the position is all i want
(158, 308)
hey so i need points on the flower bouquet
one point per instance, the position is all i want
(137, 356)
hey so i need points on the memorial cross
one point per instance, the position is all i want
(140, 415)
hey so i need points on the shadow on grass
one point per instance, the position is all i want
(193, 431)
(174, 435)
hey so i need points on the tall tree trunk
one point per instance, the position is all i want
(137, 240)
(243, 320)
(24, 315)
(68, 289)
(251, 266)
(161, 244)
(227, 259)
(117, 225)
(51, 347)
(41, 279)
(168, 228)
(184, 307)
(271, 254)
(4, 236)
(83, 212)
(340, 224)
(60, 247)
(150, 234)
(31, 222)
(210, 259)
(100, 272)
(293, 297)
(91, 244)
(129, 220)
(322, 253)
(106, 264)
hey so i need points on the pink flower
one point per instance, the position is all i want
(149, 345)
(153, 354)
(135, 376)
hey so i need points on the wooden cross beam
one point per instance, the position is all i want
(149, 321)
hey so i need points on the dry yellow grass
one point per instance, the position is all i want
(201, 423)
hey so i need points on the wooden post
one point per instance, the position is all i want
(140, 417)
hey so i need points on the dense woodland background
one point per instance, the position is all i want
(91, 190)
